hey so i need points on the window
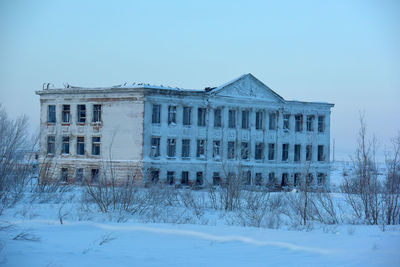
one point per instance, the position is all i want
(310, 179)
(79, 175)
(272, 120)
(271, 151)
(284, 179)
(285, 152)
(199, 178)
(200, 148)
(155, 117)
(245, 119)
(231, 150)
(308, 152)
(232, 118)
(51, 114)
(80, 145)
(95, 145)
(170, 178)
(310, 123)
(321, 179)
(171, 114)
(286, 122)
(201, 117)
(259, 120)
(51, 141)
(65, 145)
(299, 123)
(297, 154)
(246, 177)
(155, 147)
(217, 117)
(171, 148)
(321, 156)
(216, 178)
(66, 113)
(155, 176)
(95, 175)
(64, 175)
(321, 124)
(81, 113)
(187, 115)
(258, 179)
(216, 149)
(185, 177)
(271, 179)
(244, 150)
(96, 113)
(259, 151)
(186, 148)
(297, 179)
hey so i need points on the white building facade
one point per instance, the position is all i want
(241, 129)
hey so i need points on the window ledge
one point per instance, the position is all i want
(65, 124)
(171, 158)
(96, 123)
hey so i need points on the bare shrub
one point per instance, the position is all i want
(26, 236)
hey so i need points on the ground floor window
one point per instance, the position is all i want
(216, 178)
(185, 178)
(79, 175)
(170, 178)
(64, 174)
(155, 176)
(199, 178)
(95, 176)
(285, 181)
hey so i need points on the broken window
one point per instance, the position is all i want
(244, 150)
(201, 117)
(185, 177)
(309, 152)
(299, 123)
(155, 176)
(321, 179)
(171, 114)
(231, 150)
(51, 144)
(199, 178)
(186, 148)
(171, 148)
(272, 120)
(321, 124)
(259, 151)
(187, 115)
(232, 118)
(216, 178)
(66, 113)
(321, 155)
(310, 123)
(64, 175)
(200, 148)
(81, 113)
(285, 152)
(79, 175)
(259, 120)
(217, 117)
(286, 122)
(95, 176)
(245, 119)
(65, 145)
(285, 180)
(155, 147)
(155, 117)
(170, 177)
(258, 179)
(96, 145)
(51, 114)
(96, 113)
(271, 151)
(297, 154)
(80, 145)
(216, 149)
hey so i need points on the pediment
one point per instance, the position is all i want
(247, 86)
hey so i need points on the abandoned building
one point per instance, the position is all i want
(179, 136)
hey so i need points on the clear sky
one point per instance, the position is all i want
(342, 52)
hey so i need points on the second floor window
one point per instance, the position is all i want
(155, 147)
(96, 113)
(245, 119)
(80, 145)
(297, 148)
(321, 124)
(271, 151)
(51, 114)
(285, 152)
(286, 121)
(310, 123)
(244, 150)
(187, 116)
(186, 148)
(95, 145)
(231, 150)
(201, 117)
(309, 152)
(272, 121)
(321, 155)
(217, 117)
(216, 149)
(259, 120)
(66, 113)
(171, 114)
(299, 123)
(65, 145)
(171, 148)
(200, 148)
(232, 118)
(155, 117)
(51, 144)
(259, 153)
(81, 113)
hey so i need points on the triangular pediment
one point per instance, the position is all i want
(247, 86)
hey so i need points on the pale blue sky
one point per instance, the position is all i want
(343, 52)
